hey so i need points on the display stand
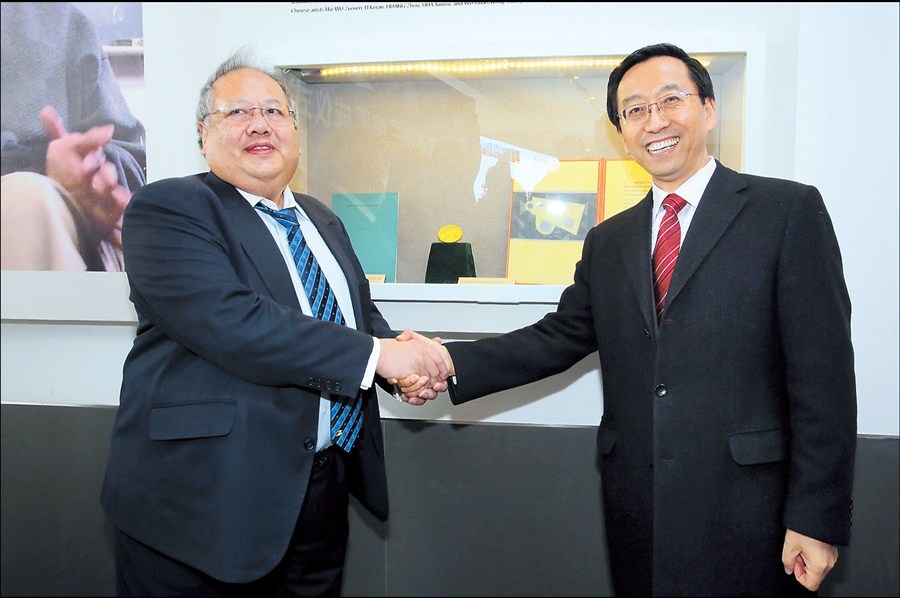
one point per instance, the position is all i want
(448, 261)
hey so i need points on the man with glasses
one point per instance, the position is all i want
(722, 325)
(233, 456)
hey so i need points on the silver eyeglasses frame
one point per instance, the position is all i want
(274, 115)
(667, 104)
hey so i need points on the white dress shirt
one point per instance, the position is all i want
(690, 191)
(336, 280)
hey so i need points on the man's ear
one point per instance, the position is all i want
(712, 114)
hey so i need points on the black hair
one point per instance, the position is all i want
(698, 72)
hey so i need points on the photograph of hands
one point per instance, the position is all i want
(73, 152)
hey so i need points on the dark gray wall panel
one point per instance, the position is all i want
(476, 509)
(494, 510)
(55, 539)
(869, 566)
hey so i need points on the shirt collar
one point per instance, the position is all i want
(691, 190)
(289, 201)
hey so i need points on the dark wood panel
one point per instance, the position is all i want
(477, 509)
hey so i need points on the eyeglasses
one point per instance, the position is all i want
(638, 113)
(277, 116)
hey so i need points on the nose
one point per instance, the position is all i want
(656, 119)
(257, 117)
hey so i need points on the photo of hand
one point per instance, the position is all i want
(73, 151)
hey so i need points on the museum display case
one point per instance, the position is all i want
(518, 153)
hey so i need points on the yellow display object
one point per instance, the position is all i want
(450, 234)
(625, 183)
(549, 223)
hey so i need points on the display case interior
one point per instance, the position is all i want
(496, 147)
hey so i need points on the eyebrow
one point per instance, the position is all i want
(662, 90)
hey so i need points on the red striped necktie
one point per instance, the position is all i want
(668, 241)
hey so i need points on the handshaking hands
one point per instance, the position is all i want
(418, 365)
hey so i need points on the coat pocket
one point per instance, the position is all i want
(192, 420)
(758, 446)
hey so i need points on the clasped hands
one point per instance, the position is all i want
(417, 364)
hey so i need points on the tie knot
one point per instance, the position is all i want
(674, 202)
(286, 217)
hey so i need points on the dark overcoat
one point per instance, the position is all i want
(730, 420)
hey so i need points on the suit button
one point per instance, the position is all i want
(309, 444)
(661, 390)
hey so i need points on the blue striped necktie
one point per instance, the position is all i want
(346, 414)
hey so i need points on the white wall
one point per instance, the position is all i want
(846, 144)
(823, 110)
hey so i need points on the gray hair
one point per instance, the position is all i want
(240, 59)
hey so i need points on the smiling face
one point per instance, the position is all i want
(670, 146)
(254, 155)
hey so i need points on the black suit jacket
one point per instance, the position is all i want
(732, 419)
(216, 428)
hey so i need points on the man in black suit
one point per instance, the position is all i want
(729, 427)
(222, 476)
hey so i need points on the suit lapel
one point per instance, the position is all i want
(635, 249)
(719, 206)
(332, 233)
(257, 242)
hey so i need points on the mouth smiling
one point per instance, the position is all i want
(660, 146)
(260, 147)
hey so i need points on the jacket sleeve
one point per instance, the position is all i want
(814, 321)
(192, 282)
(549, 346)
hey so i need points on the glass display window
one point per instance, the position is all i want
(502, 149)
